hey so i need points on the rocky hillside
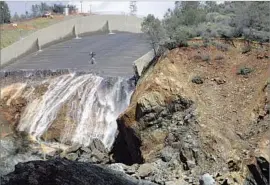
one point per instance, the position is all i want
(59, 171)
(202, 109)
(199, 115)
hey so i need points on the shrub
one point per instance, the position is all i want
(58, 8)
(195, 46)
(246, 49)
(206, 58)
(180, 36)
(206, 43)
(244, 71)
(219, 57)
(171, 44)
(182, 44)
(221, 47)
(153, 28)
(197, 80)
(197, 57)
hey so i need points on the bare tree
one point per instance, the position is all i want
(133, 7)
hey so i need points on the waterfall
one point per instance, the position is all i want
(86, 106)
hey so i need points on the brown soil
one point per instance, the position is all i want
(227, 109)
(62, 122)
(228, 104)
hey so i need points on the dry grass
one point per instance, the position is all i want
(11, 34)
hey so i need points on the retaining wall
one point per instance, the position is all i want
(141, 63)
(68, 29)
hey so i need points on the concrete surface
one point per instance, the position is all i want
(115, 54)
(69, 28)
(141, 63)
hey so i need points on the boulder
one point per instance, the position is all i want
(117, 167)
(72, 156)
(167, 154)
(61, 171)
(86, 150)
(99, 157)
(73, 148)
(98, 145)
(145, 170)
(130, 170)
(207, 179)
(149, 102)
(176, 182)
(95, 153)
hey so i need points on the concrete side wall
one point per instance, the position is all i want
(141, 63)
(69, 28)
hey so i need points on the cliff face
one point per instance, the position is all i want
(204, 108)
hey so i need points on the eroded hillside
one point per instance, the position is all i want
(200, 109)
(198, 112)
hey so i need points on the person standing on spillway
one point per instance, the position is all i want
(92, 59)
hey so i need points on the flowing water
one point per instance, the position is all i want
(78, 107)
(92, 104)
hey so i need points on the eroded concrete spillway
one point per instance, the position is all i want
(114, 54)
(59, 99)
(59, 109)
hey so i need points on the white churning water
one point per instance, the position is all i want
(91, 105)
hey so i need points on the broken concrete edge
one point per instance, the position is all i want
(141, 63)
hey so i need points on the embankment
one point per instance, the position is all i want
(200, 110)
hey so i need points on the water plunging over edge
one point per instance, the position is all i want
(93, 102)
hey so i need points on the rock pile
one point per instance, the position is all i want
(95, 153)
(65, 172)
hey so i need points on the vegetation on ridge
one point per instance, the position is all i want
(247, 20)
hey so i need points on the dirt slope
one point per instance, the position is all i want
(231, 111)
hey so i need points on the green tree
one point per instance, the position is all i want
(23, 17)
(227, 20)
(192, 12)
(152, 27)
(16, 17)
(252, 21)
(180, 23)
(58, 8)
(187, 5)
(72, 8)
(211, 6)
(35, 10)
(43, 7)
(5, 13)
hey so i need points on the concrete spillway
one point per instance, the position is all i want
(114, 54)
(67, 100)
